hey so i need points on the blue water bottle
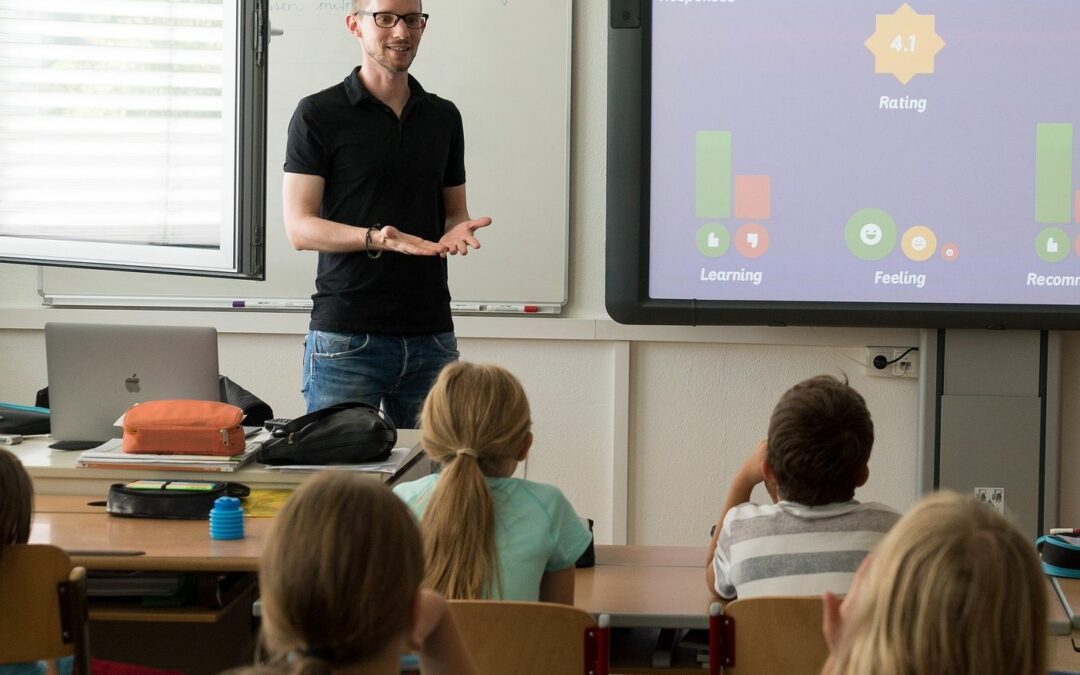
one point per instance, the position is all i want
(226, 519)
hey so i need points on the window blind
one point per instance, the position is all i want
(118, 125)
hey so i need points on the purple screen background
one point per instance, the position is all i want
(795, 84)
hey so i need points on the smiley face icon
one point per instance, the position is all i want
(870, 234)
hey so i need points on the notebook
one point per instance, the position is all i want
(97, 371)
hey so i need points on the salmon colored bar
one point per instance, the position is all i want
(752, 197)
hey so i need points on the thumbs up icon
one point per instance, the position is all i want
(712, 240)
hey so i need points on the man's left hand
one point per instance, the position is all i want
(461, 237)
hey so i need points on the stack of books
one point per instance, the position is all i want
(110, 455)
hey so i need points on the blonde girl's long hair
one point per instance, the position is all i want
(474, 420)
(953, 588)
(339, 575)
(16, 500)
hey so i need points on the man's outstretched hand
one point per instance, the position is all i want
(390, 238)
(461, 237)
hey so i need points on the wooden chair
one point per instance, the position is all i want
(767, 636)
(532, 638)
(43, 611)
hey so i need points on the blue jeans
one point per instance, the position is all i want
(392, 371)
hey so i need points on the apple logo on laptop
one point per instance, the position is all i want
(132, 383)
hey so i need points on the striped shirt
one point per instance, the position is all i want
(791, 549)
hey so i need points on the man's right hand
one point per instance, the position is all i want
(390, 238)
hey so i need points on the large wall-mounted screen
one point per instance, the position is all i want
(847, 162)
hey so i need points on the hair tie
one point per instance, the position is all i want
(465, 451)
(318, 652)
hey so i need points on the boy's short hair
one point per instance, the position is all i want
(820, 435)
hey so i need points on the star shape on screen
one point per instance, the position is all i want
(904, 44)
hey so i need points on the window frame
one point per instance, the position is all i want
(246, 236)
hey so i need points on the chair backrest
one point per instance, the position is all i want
(774, 635)
(526, 638)
(43, 611)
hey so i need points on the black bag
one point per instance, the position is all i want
(345, 433)
(588, 556)
(23, 419)
(256, 410)
(1060, 555)
(183, 500)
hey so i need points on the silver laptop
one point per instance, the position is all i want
(97, 371)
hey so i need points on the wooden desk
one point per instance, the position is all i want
(54, 471)
(1060, 654)
(98, 541)
(1068, 593)
(646, 587)
(639, 587)
(664, 587)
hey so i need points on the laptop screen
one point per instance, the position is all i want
(98, 371)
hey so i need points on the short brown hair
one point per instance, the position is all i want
(16, 500)
(360, 5)
(340, 572)
(820, 435)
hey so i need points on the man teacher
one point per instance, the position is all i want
(375, 182)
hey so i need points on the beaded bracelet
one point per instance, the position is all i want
(367, 242)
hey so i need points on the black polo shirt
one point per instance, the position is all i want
(385, 170)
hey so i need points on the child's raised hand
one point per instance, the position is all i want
(430, 610)
(436, 637)
(832, 623)
(750, 471)
(836, 613)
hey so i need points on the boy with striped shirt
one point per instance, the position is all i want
(815, 535)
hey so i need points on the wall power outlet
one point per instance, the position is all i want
(993, 497)
(892, 361)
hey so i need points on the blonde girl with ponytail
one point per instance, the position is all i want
(487, 534)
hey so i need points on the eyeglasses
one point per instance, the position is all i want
(389, 19)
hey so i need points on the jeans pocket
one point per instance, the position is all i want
(446, 343)
(331, 345)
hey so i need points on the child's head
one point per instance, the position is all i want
(820, 435)
(476, 423)
(953, 588)
(475, 407)
(340, 573)
(16, 500)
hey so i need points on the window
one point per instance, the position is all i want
(132, 134)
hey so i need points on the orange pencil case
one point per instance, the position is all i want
(183, 427)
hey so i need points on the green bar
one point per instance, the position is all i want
(1053, 173)
(714, 174)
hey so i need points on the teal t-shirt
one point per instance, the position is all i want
(536, 530)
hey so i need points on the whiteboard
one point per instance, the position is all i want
(506, 65)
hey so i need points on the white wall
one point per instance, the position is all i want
(641, 426)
